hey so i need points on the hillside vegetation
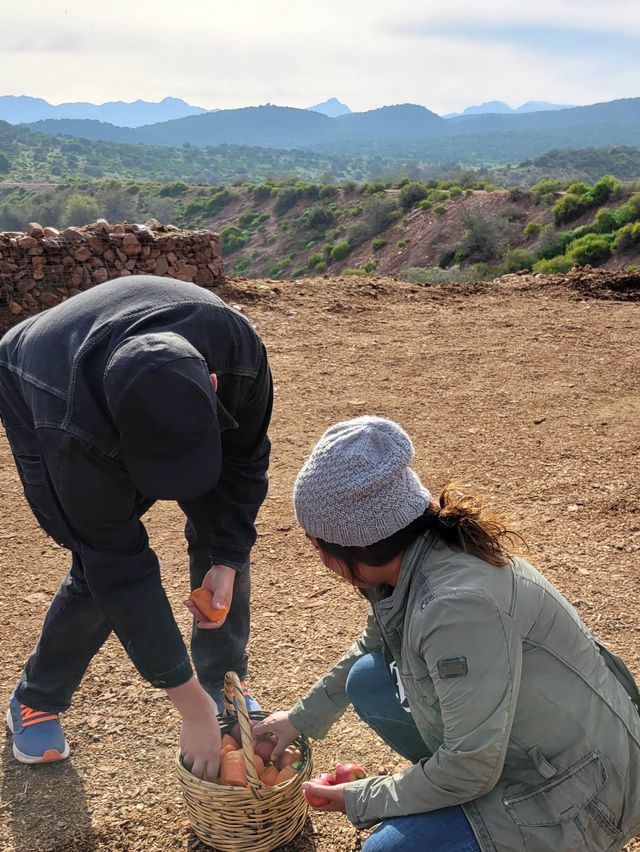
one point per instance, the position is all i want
(424, 231)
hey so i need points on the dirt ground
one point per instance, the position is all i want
(527, 388)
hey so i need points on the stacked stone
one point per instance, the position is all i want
(43, 266)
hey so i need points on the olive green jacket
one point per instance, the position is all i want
(524, 724)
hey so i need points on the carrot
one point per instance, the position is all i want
(285, 774)
(232, 771)
(203, 599)
(269, 775)
(225, 750)
(228, 740)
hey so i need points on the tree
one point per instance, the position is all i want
(80, 210)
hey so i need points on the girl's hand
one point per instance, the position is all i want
(335, 794)
(277, 723)
(219, 580)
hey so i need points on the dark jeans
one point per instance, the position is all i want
(75, 629)
(372, 692)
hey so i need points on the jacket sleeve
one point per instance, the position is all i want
(226, 516)
(327, 700)
(474, 659)
(120, 568)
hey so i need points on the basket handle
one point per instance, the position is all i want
(233, 689)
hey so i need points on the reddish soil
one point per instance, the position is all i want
(528, 388)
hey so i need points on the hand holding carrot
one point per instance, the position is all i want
(210, 604)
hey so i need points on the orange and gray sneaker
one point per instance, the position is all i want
(37, 734)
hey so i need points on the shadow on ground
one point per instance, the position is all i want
(47, 802)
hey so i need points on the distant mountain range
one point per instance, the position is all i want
(501, 107)
(612, 123)
(23, 109)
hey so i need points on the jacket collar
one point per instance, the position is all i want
(391, 608)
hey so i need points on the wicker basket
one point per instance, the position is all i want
(252, 819)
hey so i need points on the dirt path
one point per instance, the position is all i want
(525, 389)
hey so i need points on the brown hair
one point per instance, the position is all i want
(459, 519)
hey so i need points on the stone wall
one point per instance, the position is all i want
(42, 266)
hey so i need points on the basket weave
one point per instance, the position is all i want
(252, 819)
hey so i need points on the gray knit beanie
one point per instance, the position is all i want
(356, 488)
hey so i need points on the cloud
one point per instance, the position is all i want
(299, 52)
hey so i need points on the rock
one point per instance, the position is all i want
(161, 265)
(103, 226)
(15, 309)
(34, 230)
(117, 229)
(82, 254)
(49, 299)
(52, 233)
(74, 235)
(27, 242)
(130, 245)
(100, 275)
(153, 224)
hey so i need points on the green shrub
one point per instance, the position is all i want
(315, 259)
(403, 243)
(232, 238)
(340, 250)
(561, 263)
(533, 229)
(440, 209)
(438, 195)
(351, 270)
(378, 244)
(604, 189)
(546, 189)
(627, 237)
(411, 194)
(328, 190)
(252, 219)
(567, 208)
(263, 191)
(578, 188)
(604, 221)
(286, 198)
(592, 249)
(370, 266)
(516, 259)
(317, 217)
(80, 210)
(455, 191)
(628, 212)
(174, 189)
(425, 204)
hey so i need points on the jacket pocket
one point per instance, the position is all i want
(562, 798)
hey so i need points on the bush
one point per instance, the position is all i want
(455, 191)
(592, 249)
(440, 209)
(411, 194)
(378, 244)
(533, 229)
(217, 201)
(604, 189)
(515, 260)
(628, 212)
(232, 238)
(578, 188)
(546, 189)
(627, 237)
(567, 208)
(370, 266)
(425, 204)
(262, 191)
(318, 218)
(604, 221)
(80, 210)
(561, 263)
(403, 243)
(314, 260)
(340, 250)
(174, 189)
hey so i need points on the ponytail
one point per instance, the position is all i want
(459, 519)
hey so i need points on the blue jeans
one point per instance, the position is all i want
(371, 690)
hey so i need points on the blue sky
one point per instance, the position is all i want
(297, 52)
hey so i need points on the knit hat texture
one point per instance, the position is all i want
(356, 488)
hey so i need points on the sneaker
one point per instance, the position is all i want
(37, 735)
(253, 705)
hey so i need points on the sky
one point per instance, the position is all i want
(367, 53)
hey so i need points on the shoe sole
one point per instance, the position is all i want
(51, 755)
